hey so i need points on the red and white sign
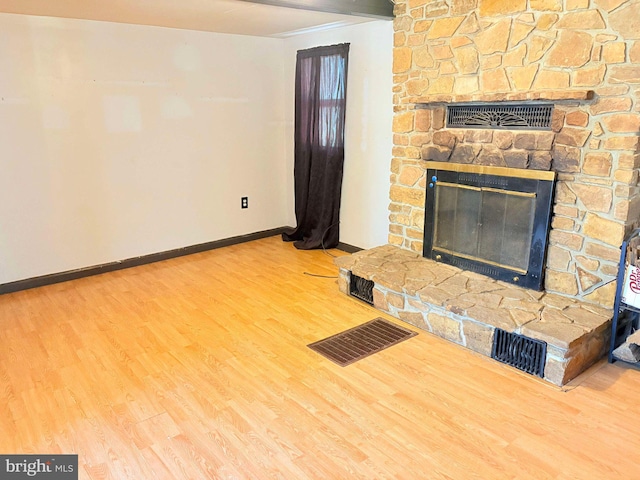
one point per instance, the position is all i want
(631, 287)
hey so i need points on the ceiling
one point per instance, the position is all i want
(224, 16)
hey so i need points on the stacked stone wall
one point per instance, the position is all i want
(584, 56)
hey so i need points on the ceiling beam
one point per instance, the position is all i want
(364, 8)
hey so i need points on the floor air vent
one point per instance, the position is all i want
(361, 288)
(360, 342)
(520, 352)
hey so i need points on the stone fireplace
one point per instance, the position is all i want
(581, 56)
(584, 57)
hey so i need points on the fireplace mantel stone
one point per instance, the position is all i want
(546, 95)
(465, 308)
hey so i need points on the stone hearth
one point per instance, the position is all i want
(465, 308)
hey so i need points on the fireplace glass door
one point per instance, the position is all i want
(489, 220)
(486, 224)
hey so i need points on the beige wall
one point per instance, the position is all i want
(124, 140)
(121, 140)
(368, 139)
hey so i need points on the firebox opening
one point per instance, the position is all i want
(491, 220)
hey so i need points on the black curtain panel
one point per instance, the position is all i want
(321, 94)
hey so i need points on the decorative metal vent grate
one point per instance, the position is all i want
(361, 341)
(522, 116)
(361, 288)
(519, 351)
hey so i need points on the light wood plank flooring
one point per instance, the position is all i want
(197, 368)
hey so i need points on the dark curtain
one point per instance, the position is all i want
(321, 87)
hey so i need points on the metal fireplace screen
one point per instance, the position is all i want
(520, 352)
(524, 116)
(490, 220)
(361, 288)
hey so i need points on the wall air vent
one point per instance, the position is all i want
(361, 288)
(511, 116)
(519, 351)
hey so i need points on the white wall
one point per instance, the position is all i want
(364, 215)
(121, 140)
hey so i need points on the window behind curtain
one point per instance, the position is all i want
(322, 95)
(331, 101)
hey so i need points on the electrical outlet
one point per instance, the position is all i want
(244, 202)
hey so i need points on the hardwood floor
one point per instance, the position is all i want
(197, 368)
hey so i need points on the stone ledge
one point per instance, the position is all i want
(466, 307)
(555, 95)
